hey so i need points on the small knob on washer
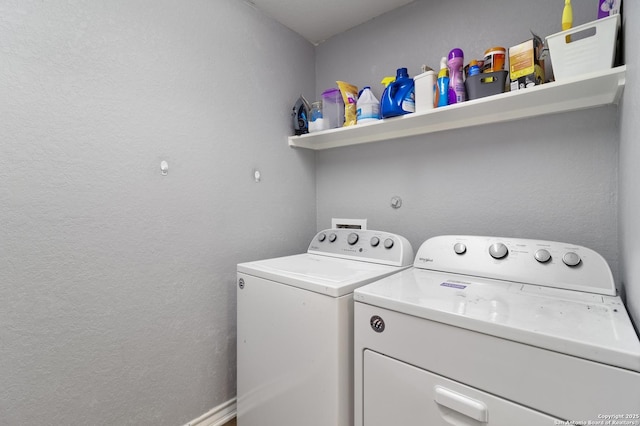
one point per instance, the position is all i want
(388, 243)
(498, 250)
(571, 259)
(459, 248)
(542, 255)
(352, 238)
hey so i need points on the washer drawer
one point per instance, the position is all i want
(399, 393)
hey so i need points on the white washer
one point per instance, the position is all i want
(295, 327)
(496, 331)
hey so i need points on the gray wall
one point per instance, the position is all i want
(552, 177)
(118, 284)
(629, 163)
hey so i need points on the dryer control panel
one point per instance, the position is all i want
(538, 262)
(365, 245)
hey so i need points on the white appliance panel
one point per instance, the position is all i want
(295, 327)
(398, 393)
(560, 385)
(321, 274)
(586, 325)
(291, 355)
(525, 331)
(539, 262)
(378, 247)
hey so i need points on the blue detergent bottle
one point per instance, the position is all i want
(399, 97)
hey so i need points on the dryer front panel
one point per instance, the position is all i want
(396, 393)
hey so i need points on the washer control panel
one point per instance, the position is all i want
(365, 245)
(545, 263)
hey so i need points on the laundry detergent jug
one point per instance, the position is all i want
(399, 96)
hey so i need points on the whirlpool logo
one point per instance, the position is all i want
(425, 259)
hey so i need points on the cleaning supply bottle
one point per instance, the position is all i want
(456, 79)
(442, 92)
(399, 96)
(567, 18)
(474, 69)
(368, 106)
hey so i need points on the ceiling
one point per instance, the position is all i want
(317, 20)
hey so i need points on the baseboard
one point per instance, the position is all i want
(217, 416)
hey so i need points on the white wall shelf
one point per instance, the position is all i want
(585, 91)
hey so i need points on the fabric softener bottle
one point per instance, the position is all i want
(399, 97)
(457, 92)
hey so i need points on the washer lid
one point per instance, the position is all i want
(586, 325)
(322, 274)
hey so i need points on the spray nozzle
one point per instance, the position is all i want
(387, 81)
(444, 68)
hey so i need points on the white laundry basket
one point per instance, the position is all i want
(594, 51)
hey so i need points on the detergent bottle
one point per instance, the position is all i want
(398, 98)
(457, 91)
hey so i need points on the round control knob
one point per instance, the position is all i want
(498, 250)
(375, 241)
(571, 259)
(542, 255)
(388, 243)
(460, 248)
(352, 238)
(332, 237)
(322, 237)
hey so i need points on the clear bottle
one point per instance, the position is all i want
(332, 108)
(317, 121)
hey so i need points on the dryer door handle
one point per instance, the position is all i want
(461, 403)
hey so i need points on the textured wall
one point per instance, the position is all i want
(552, 177)
(629, 161)
(117, 283)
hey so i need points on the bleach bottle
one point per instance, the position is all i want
(399, 96)
(368, 106)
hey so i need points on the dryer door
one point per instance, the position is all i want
(396, 393)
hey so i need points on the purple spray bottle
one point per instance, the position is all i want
(457, 92)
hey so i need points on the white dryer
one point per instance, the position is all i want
(295, 327)
(496, 331)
